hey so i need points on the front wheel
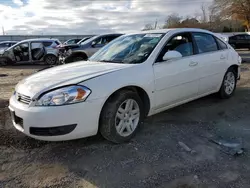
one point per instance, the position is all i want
(229, 84)
(121, 117)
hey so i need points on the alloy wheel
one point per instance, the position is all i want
(127, 117)
(229, 83)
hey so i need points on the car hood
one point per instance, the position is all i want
(71, 46)
(68, 74)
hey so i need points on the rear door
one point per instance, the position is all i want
(37, 51)
(242, 41)
(248, 41)
(212, 56)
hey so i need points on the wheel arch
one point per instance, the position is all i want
(140, 91)
(49, 54)
(79, 53)
(234, 67)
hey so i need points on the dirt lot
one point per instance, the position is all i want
(154, 158)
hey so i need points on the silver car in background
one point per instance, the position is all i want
(31, 51)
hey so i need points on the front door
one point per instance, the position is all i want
(176, 80)
(21, 52)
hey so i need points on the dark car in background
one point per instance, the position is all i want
(240, 41)
(6, 44)
(84, 50)
(64, 47)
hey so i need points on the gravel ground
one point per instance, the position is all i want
(154, 158)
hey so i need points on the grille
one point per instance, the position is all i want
(23, 98)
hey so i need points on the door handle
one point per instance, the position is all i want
(192, 64)
(222, 57)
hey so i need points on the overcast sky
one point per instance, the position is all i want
(88, 16)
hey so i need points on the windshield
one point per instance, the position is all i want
(82, 40)
(129, 49)
(87, 41)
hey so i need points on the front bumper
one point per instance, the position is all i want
(56, 123)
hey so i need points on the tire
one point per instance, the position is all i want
(50, 59)
(228, 85)
(110, 121)
(6, 62)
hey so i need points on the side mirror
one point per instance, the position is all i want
(171, 55)
(93, 43)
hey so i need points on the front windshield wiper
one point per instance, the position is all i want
(110, 61)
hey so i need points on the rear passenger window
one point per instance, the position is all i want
(47, 44)
(222, 45)
(240, 37)
(248, 37)
(4, 45)
(205, 42)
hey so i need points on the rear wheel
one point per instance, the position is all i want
(229, 84)
(50, 59)
(6, 61)
(121, 117)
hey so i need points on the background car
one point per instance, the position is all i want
(222, 36)
(32, 51)
(64, 47)
(71, 41)
(240, 41)
(85, 49)
(6, 44)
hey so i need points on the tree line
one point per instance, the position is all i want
(221, 16)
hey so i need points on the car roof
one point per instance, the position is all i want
(39, 39)
(109, 34)
(8, 42)
(173, 30)
(74, 39)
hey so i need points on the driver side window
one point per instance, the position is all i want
(181, 43)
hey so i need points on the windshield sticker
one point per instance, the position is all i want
(153, 35)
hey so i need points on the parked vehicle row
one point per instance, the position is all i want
(52, 51)
(134, 76)
(85, 48)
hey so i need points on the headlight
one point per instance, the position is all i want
(63, 96)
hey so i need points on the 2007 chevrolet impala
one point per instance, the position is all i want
(134, 76)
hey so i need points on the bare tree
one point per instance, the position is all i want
(148, 27)
(204, 13)
(172, 20)
(234, 9)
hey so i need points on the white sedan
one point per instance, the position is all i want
(135, 76)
